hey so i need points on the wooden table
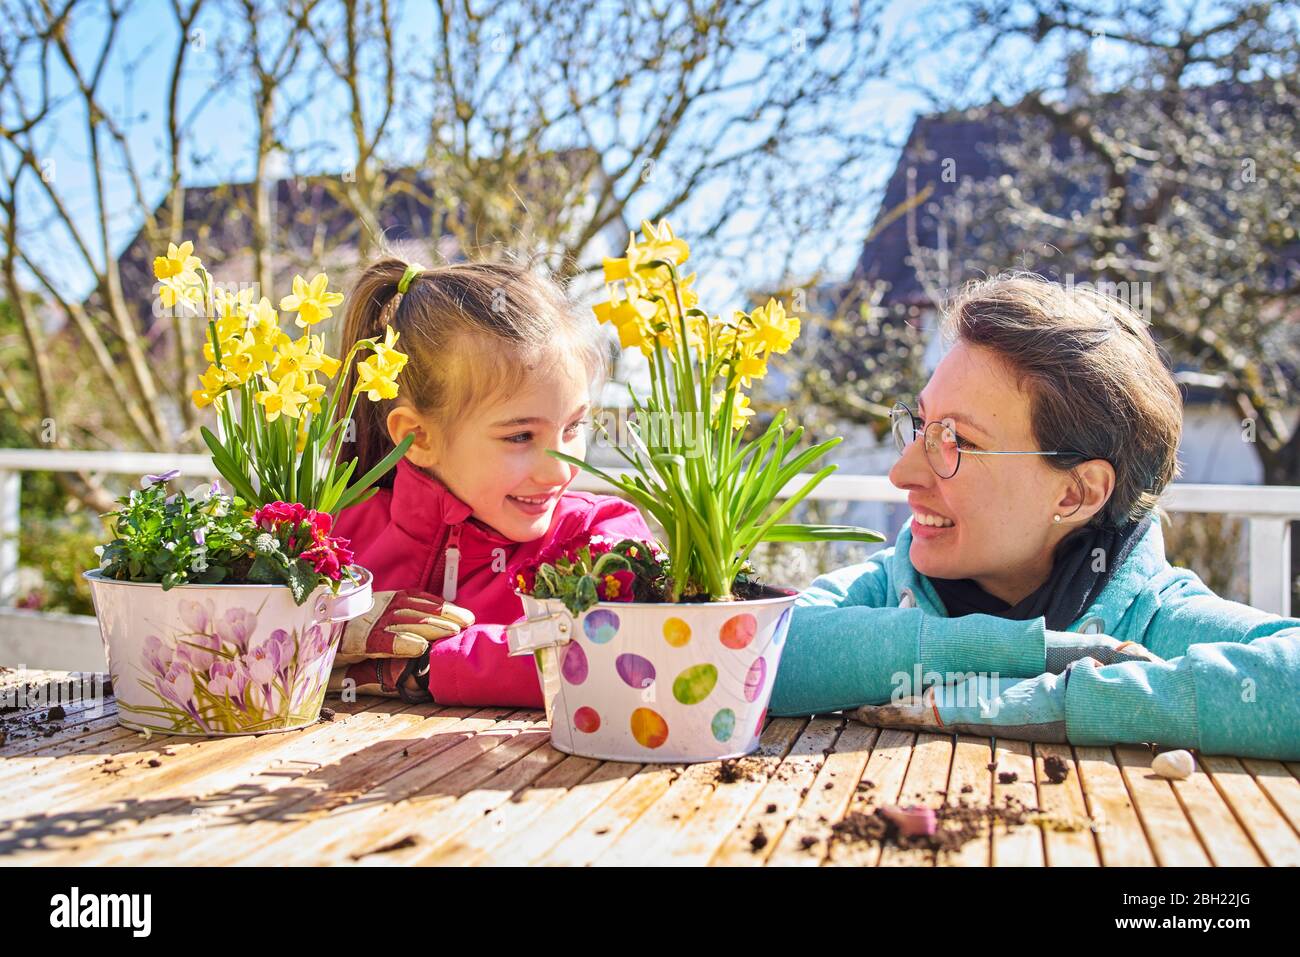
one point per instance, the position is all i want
(387, 783)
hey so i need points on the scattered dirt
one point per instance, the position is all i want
(759, 840)
(807, 841)
(771, 809)
(327, 714)
(1008, 777)
(57, 713)
(1056, 769)
(155, 763)
(967, 788)
(992, 765)
(958, 824)
(734, 769)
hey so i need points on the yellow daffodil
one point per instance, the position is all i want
(239, 357)
(265, 328)
(179, 260)
(740, 410)
(312, 389)
(305, 354)
(749, 369)
(311, 300)
(391, 362)
(233, 307)
(283, 399)
(657, 243)
(178, 277)
(301, 442)
(631, 318)
(772, 330)
(214, 381)
(375, 380)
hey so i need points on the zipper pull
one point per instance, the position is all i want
(451, 574)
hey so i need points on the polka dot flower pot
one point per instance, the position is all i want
(656, 682)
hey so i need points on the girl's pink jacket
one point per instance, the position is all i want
(403, 535)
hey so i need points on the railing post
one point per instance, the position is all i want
(10, 489)
(1270, 565)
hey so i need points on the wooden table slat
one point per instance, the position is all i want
(388, 784)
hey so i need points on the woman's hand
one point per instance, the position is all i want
(1064, 647)
(1030, 709)
(381, 646)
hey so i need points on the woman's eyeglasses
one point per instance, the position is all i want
(943, 447)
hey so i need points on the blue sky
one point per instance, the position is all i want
(218, 146)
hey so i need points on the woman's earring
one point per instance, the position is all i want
(1056, 519)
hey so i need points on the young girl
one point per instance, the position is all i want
(500, 371)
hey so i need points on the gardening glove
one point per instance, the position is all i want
(1064, 647)
(401, 624)
(1030, 709)
(386, 651)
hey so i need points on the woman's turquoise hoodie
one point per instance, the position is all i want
(1230, 682)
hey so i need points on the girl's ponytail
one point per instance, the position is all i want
(369, 310)
(470, 330)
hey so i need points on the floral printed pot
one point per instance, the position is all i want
(642, 682)
(221, 659)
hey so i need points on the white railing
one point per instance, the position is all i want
(33, 638)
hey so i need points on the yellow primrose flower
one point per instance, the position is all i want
(311, 300)
(214, 381)
(375, 380)
(284, 398)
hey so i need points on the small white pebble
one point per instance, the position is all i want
(1175, 765)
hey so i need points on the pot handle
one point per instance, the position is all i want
(542, 629)
(335, 608)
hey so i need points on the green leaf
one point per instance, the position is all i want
(265, 571)
(363, 483)
(821, 533)
(229, 471)
(302, 580)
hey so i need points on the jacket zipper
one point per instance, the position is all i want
(449, 564)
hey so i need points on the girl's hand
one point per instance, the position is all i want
(1065, 647)
(402, 624)
(386, 651)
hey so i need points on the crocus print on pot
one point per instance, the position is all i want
(221, 659)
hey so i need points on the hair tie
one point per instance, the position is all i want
(412, 271)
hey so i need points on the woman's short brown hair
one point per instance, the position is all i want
(1096, 381)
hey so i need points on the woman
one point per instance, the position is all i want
(1029, 596)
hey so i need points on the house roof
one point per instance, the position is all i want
(311, 227)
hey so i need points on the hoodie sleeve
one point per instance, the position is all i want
(475, 667)
(1231, 684)
(847, 647)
